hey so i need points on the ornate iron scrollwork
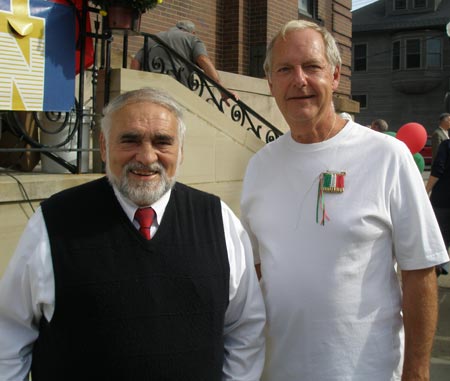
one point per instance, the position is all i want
(56, 131)
(161, 58)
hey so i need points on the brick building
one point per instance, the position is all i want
(236, 32)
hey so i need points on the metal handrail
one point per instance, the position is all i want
(204, 86)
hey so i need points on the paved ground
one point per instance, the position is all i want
(440, 362)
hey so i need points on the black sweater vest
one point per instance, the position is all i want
(130, 309)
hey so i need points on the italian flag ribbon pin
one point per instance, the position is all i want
(329, 182)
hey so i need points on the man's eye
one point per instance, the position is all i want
(163, 140)
(313, 67)
(128, 141)
(164, 143)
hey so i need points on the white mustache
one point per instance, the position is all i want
(154, 167)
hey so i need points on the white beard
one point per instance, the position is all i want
(142, 193)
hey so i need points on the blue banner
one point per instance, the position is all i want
(37, 65)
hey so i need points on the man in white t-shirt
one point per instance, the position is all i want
(331, 208)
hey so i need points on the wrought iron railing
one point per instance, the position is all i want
(54, 135)
(163, 59)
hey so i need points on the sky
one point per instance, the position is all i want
(360, 3)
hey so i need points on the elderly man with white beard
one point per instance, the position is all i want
(133, 276)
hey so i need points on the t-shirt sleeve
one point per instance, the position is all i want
(198, 49)
(417, 239)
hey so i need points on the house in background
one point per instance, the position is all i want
(401, 61)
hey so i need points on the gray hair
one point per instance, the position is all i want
(443, 116)
(186, 25)
(146, 94)
(380, 125)
(331, 50)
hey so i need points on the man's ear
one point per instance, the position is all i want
(336, 78)
(103, 146)
(180, 160)
(270, 85)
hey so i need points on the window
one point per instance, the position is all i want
(257, 54)
(362, 99)
(418, 52)
(400, 4)
(304, 6)
(396, 55)
(419, 4)
(308, 7)
(433, 52)
(360, 57)
(413, 54)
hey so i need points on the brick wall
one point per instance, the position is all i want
(236, 32)
(205, 14)
(278, 13)
(235, 38)
(341, 27)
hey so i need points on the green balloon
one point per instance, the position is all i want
(392, 133)
(420, 161)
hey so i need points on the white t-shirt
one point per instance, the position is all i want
(333, 299)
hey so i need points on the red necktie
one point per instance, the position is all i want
(145, 218)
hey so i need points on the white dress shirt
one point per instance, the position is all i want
(27, 292)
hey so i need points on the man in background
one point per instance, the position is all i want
(439, 134)
(379, 125)
(183, 40)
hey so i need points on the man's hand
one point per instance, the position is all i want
(208, 67)
(225, 97)
(135, 64)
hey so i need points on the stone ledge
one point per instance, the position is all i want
(38, 186)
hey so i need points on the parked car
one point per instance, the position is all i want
(426, 151)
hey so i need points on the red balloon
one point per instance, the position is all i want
(414, 135)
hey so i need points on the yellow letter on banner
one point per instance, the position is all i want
(22, 62)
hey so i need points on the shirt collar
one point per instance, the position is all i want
(130, 207)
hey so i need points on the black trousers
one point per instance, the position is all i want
(443, 218)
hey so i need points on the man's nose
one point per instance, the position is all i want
(299, 76)
(146, 154)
